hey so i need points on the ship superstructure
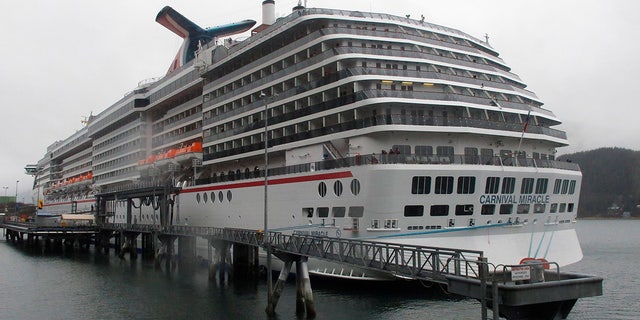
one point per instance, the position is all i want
(376, 126)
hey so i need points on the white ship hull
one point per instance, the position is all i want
(384, 192)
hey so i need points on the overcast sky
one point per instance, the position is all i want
(64, 59)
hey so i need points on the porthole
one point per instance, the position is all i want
(355, 187)
(229, 195)
(322, 189)
(198, 197)
(205, 197)
(213, 197)
(220, 196)
(337, 188)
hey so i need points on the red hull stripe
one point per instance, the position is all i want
(316, 177)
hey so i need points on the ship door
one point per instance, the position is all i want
(74, 206)
(356, 224)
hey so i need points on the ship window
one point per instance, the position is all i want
(401, 149)
(413, 211)
(508, 185)
(421, 185)
(439, 210)
(356, 212)
(322, 189)
(563, 207)
(338, 212)
(355, 187)
(229, 195)
(557, 186)
(527, 186)
(205, 197)
(424, 150)
(323, 212)
(491, 187)
(572, 187)
(444, 185)
(375, 224)
(506, 208)
(444, 150)
(539, 208)
(220, 196)
(471, 155)
(486, 156)
(554, 208)
(488, 209)
(213, 197)
(198, 197)
(570, 207)
(565, 186)
(466, 185)
(390, 223)
(523, 208)
(464, 209)
(337, 188)
(541, 185)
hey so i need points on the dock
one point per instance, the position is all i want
(532, 291)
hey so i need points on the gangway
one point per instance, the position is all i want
(540, 294)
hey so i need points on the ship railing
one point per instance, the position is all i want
(390, 119)
(386, 159)
(483, 101)
(318, 58)
(279, 75)
(430, 56)
(427, 75)
(142, 184)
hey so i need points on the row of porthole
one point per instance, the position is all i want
(205, 197)
(338, 188)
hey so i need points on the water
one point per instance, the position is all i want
(88, 286)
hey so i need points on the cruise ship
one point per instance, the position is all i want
(369, 125)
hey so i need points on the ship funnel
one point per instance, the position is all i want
(268, 12)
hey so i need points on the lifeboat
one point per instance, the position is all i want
(146, 163)
(165, 158)
(186, 154)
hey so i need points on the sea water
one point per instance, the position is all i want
(90, 286)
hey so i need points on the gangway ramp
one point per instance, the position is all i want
(402, 261)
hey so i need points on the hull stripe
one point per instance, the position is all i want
(316, 177)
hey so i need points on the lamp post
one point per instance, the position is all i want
(17, 181)
(266, 186)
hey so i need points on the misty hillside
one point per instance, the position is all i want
(610, 182)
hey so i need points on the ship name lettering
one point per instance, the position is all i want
(497, 199)
(535, 199)
(511, 199)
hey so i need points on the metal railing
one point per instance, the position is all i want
(405, 261)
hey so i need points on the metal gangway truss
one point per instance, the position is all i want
(464, 272)
(399, 260)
